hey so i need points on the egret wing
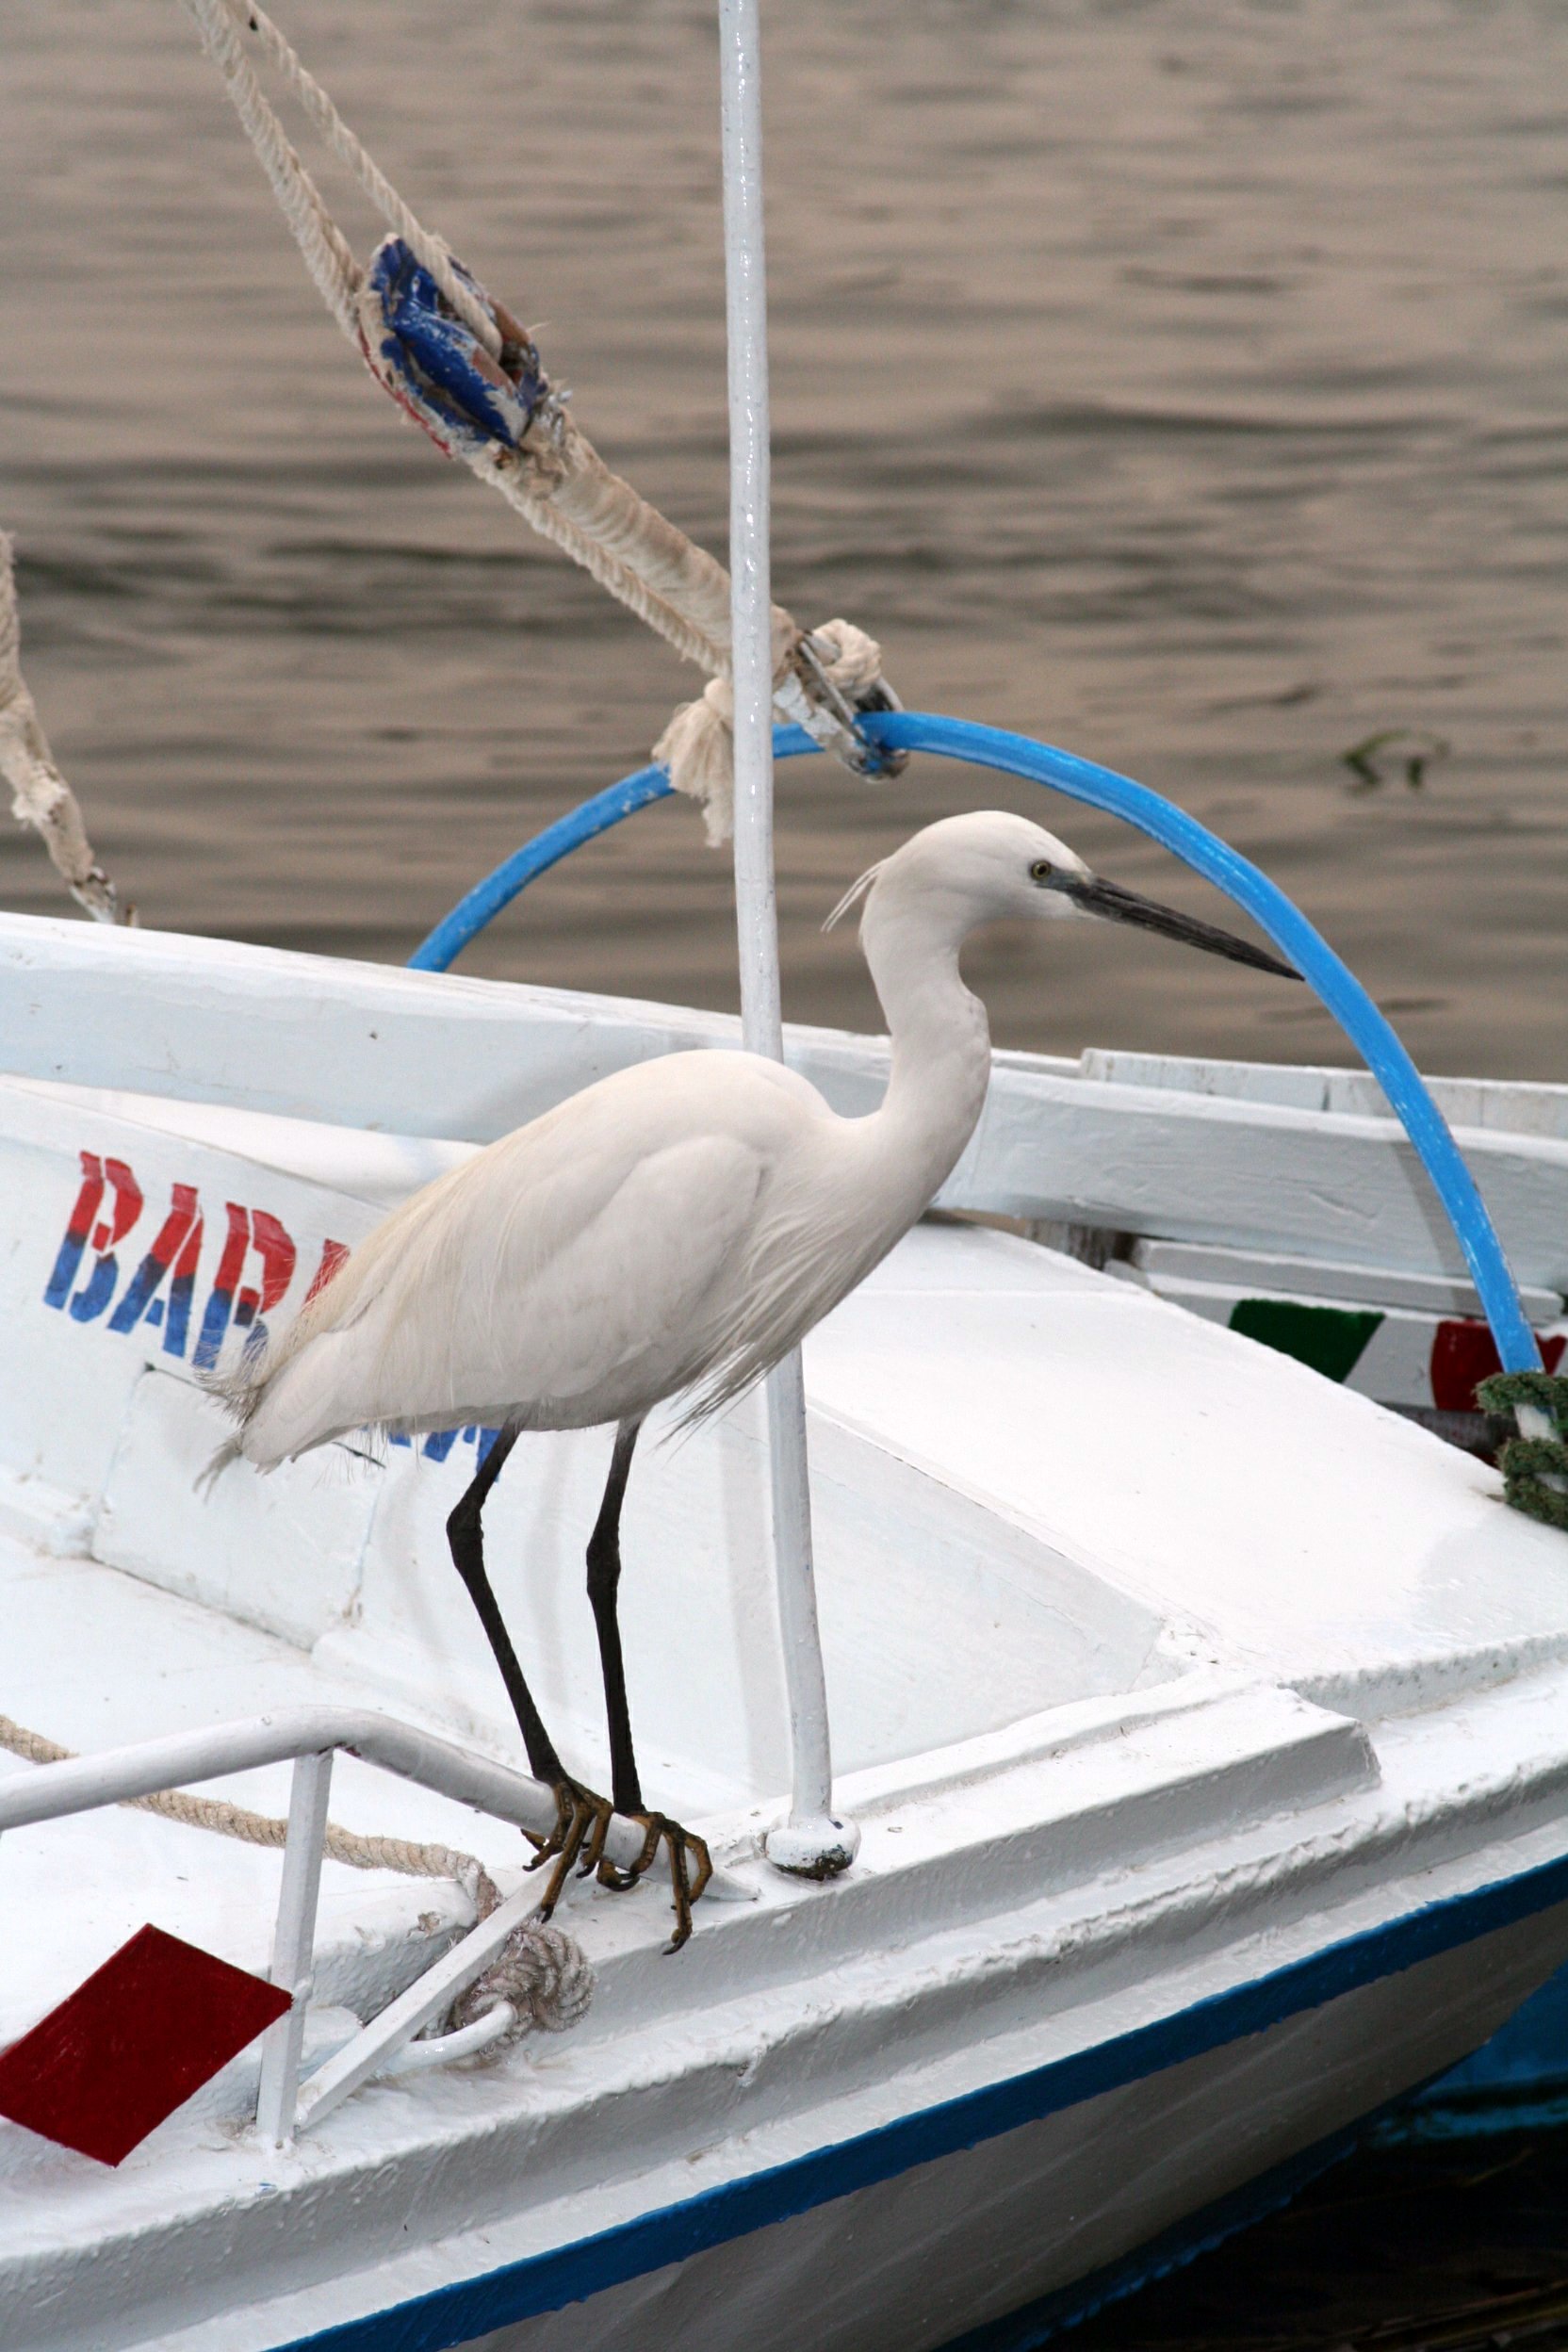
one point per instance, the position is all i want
(559, 1271)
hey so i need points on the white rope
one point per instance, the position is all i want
(260, 1829)
(431, 251)
(625, 525)
(521, 479)
(542, 1976)
(526, 481)
(540, 1971)
(555, 479)
(326, 250)
(40, 795)
(698, 744)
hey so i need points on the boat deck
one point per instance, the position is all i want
(1124, 1493)
(1137, 1633)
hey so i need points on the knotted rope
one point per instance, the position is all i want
(543, 1973)
(1535, 1469)
(545, 1979)
(551, 473)
(698, 744)
(40, 795)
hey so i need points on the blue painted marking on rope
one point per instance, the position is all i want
(1099, 787)
(451, 382)
(570, 2274)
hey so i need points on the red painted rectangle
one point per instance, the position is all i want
(133, 2043)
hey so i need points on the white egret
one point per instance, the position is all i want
(672, 1231)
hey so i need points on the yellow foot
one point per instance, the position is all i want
(686, 1884)
(582, 1822)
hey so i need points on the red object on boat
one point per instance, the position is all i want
(132, 2044)
(1464, 1353)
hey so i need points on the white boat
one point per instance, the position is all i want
(1202, 1720)
(1199, 1723)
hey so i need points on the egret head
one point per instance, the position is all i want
(988, 866)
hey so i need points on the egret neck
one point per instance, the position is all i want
(941, 1047)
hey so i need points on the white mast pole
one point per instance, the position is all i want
(811, 1841)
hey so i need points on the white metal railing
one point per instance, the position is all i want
(310, 1735)
(812, 1840)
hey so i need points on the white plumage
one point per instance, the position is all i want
(672, 1231)
(678, 1226)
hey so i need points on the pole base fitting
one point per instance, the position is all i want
(821, 1848)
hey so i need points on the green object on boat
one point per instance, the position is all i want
(1529, 1463)
(1329, 1339)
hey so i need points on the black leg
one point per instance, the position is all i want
(604, 1576)
(582, 1819)
(465, 1535)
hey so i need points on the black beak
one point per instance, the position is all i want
(1110, 901)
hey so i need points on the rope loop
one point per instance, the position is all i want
(1535, 1469)
(463, 369)
(541, 1975)
(1535, 1478)
(825, 679)
(540, 1971)
(1505, 1392)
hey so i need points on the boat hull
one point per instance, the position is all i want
(1202, 1722)
(995, 2244)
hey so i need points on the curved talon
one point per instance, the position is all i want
(678, 1841)
(705, 1865)
(578, 1812)
(620, 1881)
(592, 1858)
(547, 1843)
(658, 1830)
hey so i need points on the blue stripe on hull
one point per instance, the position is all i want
(570, 2274)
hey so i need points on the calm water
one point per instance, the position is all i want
(1182, 381)
(1457, 2249)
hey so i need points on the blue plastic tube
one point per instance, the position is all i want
(484, 902)
(1146, 811)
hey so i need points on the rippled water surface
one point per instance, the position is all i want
(1183, 382)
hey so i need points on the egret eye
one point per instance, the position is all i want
(1040, 869)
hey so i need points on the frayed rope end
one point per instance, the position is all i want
(698, 749)
(698, 744)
